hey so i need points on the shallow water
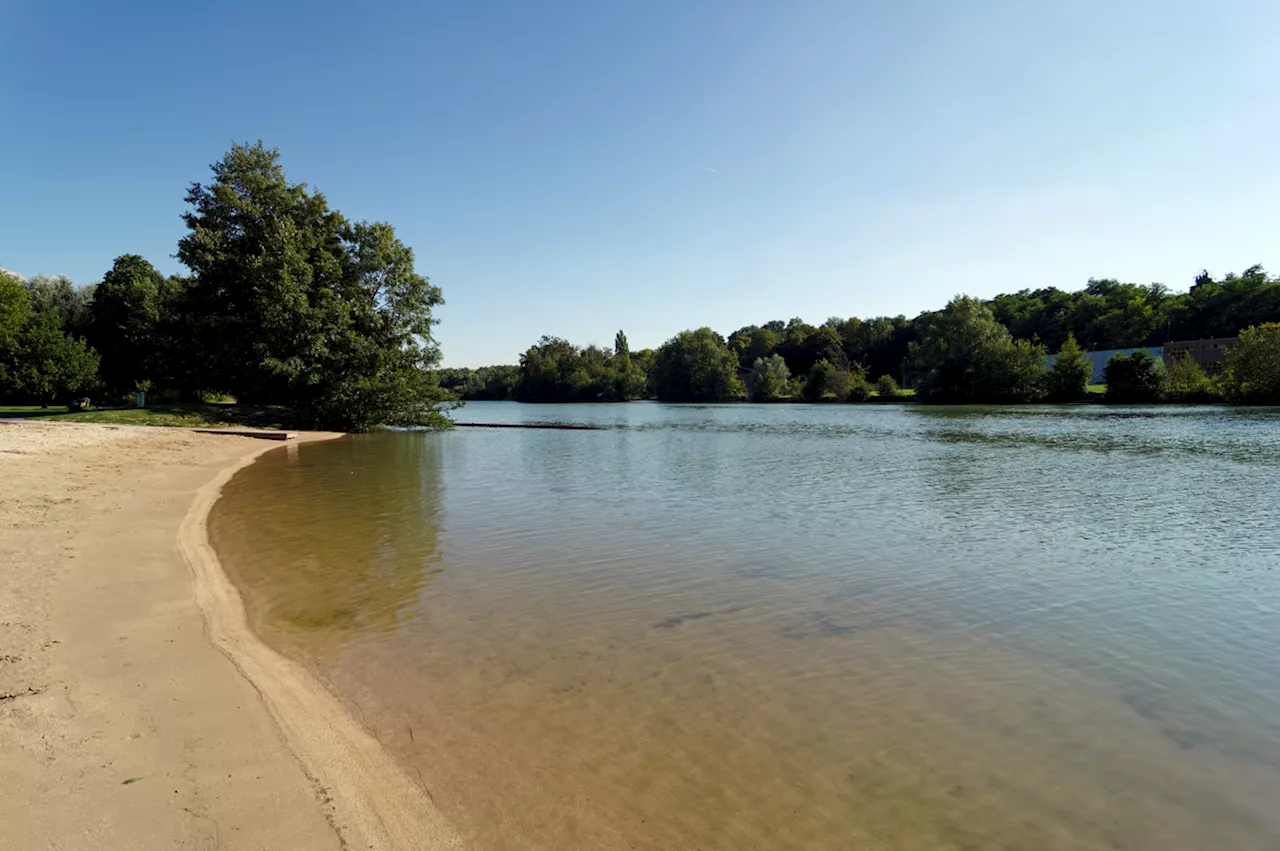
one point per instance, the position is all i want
(796, 627)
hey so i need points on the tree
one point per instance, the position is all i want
(628, 381)
(826, 379)
(555, 370)
(965, 355)
(551, 370)
(1253, 367)
(1185, 381)
(762, 344)
(1014, 371)
(58, 295)
(860, 390)
(15, 307)
(768, 379)
(292, 304)
(1068, 378)
(696, 366)
(1133, 378)
(887, 388)
(45, 363)
(804, 345)
(499, 382)
(127, 311)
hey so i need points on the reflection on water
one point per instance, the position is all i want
(792, 627)
(341, 545)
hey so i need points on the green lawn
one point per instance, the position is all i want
(1097, 388)
(183, 416)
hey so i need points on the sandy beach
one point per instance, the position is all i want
(136, 708)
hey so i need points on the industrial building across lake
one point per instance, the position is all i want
(1209, 355)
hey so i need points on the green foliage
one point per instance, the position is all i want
(488, 383)
(15, 307)
(1068, 378)
(291, 303)
(861, 390)
(881, 344)
(753, 343)
(180, 416)
(965, 355)
(43, 363)
(1014, 371)
(1108, 314)
(57, 294)
(767, 381)
(1253, 367)
(696, 366)
(826, 380)
(1185, 381)
(555, 370)
(127, 311)
(887, 388)
(803, 346)
(1134, 378)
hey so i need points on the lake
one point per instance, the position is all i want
(796, 627)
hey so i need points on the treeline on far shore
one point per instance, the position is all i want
(971, 351)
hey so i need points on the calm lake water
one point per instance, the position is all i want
(796, 627)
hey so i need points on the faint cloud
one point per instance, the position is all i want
(710, 169)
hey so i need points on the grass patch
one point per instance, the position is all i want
(181, 416)
(1097, 388)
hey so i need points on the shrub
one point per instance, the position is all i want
(1135, 377)
(1253, 367)
(860, 390)
(825, 379)
(1068, 378)
(886, 387)
(768, 379)
(1185, 381)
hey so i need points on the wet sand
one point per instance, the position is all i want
(136, 708)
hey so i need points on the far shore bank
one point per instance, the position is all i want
(136, 708)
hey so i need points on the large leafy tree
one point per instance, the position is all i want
(1185, 381)
(1068, 378)
(58, 295)
(696, 366)
(965, 355)
(44, 363)
(15, 307)
(1253, 366)
(488, 383)
(128, 309)
(629, 381)
(555, 370)
(768, 379)
(1134, 377)
(292, 304)
(826, 379)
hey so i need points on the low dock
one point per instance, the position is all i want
(564, 426)
(260, 433)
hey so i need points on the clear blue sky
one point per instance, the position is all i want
(572, 168)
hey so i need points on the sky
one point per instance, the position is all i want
(575, 167)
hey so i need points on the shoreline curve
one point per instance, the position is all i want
(370, 801)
